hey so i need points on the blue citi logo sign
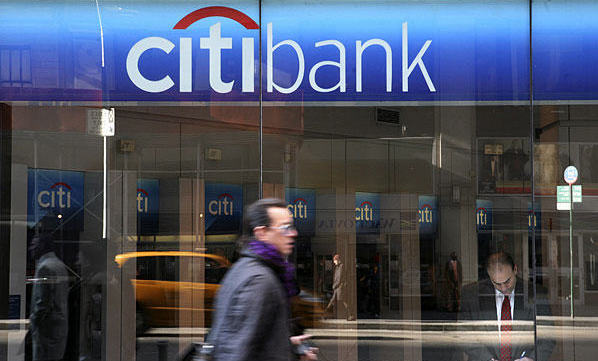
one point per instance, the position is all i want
(142, 201)
(298, 208)
(481, 217)
(425, 214)
(57, 196)
(222, 205)
(365, 212)
(531, 219)
(217, 45)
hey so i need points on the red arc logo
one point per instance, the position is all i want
(221, 11)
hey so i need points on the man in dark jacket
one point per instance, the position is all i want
(49, 302)
(503, 299)
(251, 320)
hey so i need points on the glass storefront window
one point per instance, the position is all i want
(177, 180)
(419, 146)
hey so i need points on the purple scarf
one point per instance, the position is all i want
(270, 254)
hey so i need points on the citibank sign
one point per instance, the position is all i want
(215, 43)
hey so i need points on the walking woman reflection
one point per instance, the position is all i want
(49, 301)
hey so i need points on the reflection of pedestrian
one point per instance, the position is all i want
(339, 290)
(374, 292)
(251, 320)
(454, 277)
(49, 302)
(362, 290)
(515, 159)
(85, 306)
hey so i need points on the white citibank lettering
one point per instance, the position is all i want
(215, 44)
(55, 197)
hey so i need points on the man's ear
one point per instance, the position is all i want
(260, 233)
(515, 269)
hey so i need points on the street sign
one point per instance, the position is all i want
(570, 174)
(563, 206)
(562, 194)
(563, 199)
(100, 122)
(577, 193)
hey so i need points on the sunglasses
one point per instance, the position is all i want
(285, 229)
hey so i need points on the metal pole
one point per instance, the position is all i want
(260, 135)
(104, 201)
(389, 273)
(571, 242)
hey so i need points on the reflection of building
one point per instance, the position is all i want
(503, 165)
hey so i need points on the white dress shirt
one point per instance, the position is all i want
(499, 298)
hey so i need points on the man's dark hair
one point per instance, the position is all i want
(500, 258)
(256, 214)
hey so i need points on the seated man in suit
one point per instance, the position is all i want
(503, 299)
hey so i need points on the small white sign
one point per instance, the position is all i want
(570, 174)
(563, 194)
(563, 206)
(100, 122)
(577, 193)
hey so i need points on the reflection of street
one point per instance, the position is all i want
(377, 339)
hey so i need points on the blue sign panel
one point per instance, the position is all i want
(312, 51)
(427, 216)
(340, 51)
(367, 213)
(483, 216)
(224, 208)
(534, 220)
(302, 205)
(564, 36)
(148, 206)
(55, 196)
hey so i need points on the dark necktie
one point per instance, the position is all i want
(505, 330)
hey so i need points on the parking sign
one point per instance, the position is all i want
(570, 174)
